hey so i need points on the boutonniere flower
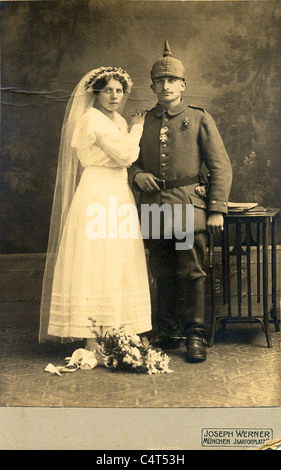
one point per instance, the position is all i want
(185, 123)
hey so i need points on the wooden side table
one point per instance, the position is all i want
(263, 221)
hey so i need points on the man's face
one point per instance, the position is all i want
(168, 89)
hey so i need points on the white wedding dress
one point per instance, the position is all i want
(99, 274)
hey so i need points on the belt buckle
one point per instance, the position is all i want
(162, 184)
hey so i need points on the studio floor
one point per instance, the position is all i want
(240, 371)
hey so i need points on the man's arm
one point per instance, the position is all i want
(218, 163)
(140, 180)
(133, 170)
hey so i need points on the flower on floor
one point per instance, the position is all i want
(120, 351)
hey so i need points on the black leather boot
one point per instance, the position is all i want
(194, 319)
(196, 348)
(167, 324)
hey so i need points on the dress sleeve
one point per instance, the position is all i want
(120, 145)
(124, 149)
(81, 137)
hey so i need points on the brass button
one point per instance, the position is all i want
(163, 155)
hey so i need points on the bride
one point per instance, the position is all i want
(90, 273)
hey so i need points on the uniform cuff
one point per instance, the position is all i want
(217, 206)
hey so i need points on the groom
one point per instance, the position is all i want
(177, 139)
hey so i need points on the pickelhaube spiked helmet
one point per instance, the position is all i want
(167, 66)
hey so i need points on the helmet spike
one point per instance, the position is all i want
(167, 50)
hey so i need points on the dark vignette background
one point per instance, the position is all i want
(232, 55)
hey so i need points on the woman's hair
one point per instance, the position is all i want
(102, 82)
(97, 79)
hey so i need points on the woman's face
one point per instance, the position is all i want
(111, 95)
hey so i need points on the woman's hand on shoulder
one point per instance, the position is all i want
(138, 117)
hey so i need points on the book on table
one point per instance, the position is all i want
(251, 207)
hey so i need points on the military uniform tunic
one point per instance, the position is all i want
(174, 145)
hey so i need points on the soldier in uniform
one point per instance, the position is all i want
(177, 139)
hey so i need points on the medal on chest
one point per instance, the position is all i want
(185, 124)
(163, 134)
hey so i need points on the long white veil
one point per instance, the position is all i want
(68, 172)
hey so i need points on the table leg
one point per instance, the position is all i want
(273, 311)
(227, 268)
(239, 268)
(258, 265)
(223, 267)
(265, 283)
(212, 287)
(248, 254)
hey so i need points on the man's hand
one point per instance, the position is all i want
(147, 182)
(215, 222)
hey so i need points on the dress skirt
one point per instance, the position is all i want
(101, 270)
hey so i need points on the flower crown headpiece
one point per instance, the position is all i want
(108, 72)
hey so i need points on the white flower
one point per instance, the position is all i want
(135, 352)
(136, 340)
(128, 359)
(129, 351)
(114, 363)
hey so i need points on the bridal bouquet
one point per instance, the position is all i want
(116, 350)
(120, 351)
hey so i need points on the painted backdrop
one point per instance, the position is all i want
(231, 51)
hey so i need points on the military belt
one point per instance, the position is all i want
(165, 184)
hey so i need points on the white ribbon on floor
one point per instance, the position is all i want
(80, 359)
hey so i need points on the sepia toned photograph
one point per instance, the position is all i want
(140, 219)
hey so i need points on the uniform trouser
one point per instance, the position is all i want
(180, 285)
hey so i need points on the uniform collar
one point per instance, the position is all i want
(179, 108)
